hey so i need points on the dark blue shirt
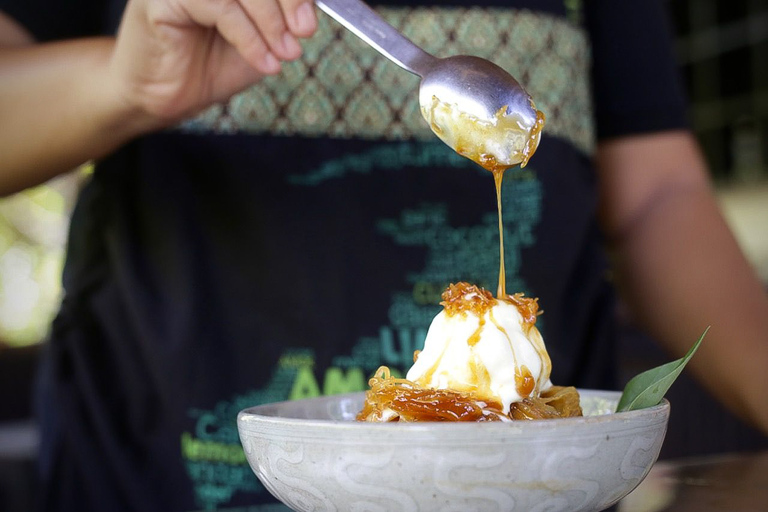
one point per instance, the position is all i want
(287, 243)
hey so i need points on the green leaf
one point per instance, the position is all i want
(648, 388)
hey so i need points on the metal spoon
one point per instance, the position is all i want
(457, 93)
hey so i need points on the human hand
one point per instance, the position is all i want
(173, 58)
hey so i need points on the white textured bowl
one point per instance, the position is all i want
(313, 456)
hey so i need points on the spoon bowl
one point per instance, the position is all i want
(473, 105)
(478, 87)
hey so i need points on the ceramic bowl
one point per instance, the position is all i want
(313, 456)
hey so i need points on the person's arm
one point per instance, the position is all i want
(680, 269)
(58, 111)
(64, 103)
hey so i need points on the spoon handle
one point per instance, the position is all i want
(363, 21)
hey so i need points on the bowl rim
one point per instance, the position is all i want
(254, 415)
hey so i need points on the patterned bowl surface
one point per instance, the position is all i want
(313, 456)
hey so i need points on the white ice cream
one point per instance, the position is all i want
(496, 354)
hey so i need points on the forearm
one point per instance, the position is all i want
(62, 104)
(681, 270)
(58, 109)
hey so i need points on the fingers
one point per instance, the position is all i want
(263, 31)
(236, 27)
(268, 16)
(300, 16)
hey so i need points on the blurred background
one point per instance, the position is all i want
(722, 49)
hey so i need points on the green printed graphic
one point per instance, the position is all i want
(214, 458)
(335, 381)
(384, 157)
(471, 253)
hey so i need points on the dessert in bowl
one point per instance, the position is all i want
(476, 424)
(473, 427)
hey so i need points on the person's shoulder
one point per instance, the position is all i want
(12, 33)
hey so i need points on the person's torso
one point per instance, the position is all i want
(289, 242)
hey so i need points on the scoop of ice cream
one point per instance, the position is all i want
(485, 346)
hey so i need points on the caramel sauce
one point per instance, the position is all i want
(498, 176)
(427, 377)
(462, 298)
(475, 139)
(524, 381)
(555, 402)
(490, 163)
(545, 366)
(474, 338)
(528, 308)
(393, 399)
(480, 377)
(533, 139)
(413, 403)
(511, 346)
